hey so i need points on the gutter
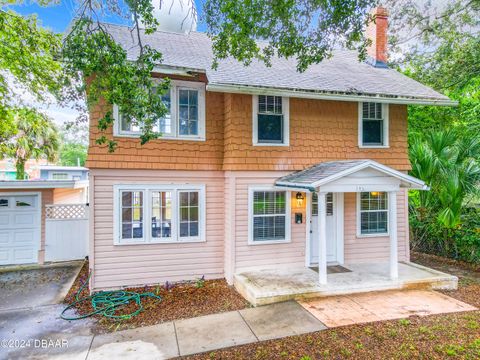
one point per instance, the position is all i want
(338, 96)
(43, 184)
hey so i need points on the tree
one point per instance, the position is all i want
(307, 30)
(34, 136)
(439, 45)
(73, 154)
(27, 59)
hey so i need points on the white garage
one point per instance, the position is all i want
(20, 228)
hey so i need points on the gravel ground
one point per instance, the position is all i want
(455, 336)
(179, 301)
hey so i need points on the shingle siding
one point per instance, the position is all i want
(320, 130)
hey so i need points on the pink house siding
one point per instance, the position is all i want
(292, 253)
(226, 249)
(368, 249)
(135, 265)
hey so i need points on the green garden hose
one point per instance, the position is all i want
(108, 303)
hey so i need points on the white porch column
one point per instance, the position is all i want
(322, 238)
(392, 217)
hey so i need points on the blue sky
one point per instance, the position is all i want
(57, 17)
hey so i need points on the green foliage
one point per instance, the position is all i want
(27, 56)
(72, 154)
(307, 30)
(113, 77)
(33, 136)
(443, 220)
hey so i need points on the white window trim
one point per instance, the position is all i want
(288, 220)
(386, 128)
(175, 86)
(147, 189)
(286, 123)
(359, 230)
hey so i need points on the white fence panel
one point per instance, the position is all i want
(66, 232)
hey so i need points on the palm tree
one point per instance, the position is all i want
(35, 136)
(450, 163)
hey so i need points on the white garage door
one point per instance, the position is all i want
(19, 229)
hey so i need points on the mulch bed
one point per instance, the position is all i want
(179, 301)
(455, 336)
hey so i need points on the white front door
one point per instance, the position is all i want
(19, 229)
(331, 230)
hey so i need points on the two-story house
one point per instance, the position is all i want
(258, 169)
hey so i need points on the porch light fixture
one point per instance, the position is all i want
(374, 193)
(299, 198)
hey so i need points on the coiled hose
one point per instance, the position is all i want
(108, 303)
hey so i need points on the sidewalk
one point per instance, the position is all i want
(205, 333)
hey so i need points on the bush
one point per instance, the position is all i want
(461, 242)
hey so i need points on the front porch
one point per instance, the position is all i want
(263, 286)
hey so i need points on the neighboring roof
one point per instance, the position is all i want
(43, 184)
(59, 167)
(326, 172)
(341, 77)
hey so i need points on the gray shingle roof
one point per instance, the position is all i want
(341, 74)
(326, 172)
(319, 172)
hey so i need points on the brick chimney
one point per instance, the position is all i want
(377, 32)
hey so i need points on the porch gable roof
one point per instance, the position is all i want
(327, 172)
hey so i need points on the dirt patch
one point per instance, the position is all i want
(450, 266)
(179, 301)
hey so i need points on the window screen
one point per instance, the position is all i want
(372, 124)
(373, 213)
(188, 111)
(189, 213)
(161, 214)
(269, 215)
(270, 119)
(132, 214)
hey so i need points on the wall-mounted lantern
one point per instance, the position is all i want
(300, 199)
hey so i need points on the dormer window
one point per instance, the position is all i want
(184, 120)
(270, 120)
(373, 125)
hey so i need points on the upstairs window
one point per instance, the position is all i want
(270, 120)
(185, 117)
(373, 124)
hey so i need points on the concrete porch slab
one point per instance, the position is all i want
(266, 286)
(380, 306)
(280, 320)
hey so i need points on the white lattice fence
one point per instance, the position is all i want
(66, 211)
(66, 232)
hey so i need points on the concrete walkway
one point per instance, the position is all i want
(205, 333)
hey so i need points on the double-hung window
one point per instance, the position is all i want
(373, 213)
(270, 120)
(185, 117)
(373, 124)
(159, 213)
(269, 219)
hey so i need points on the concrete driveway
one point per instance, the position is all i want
(30, 307)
